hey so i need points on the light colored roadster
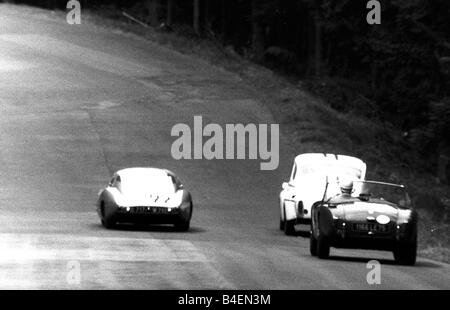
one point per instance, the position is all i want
(148, 195)
(306, 183)
(375, 216)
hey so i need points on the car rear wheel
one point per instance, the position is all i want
(107, 221)
(289, 229)
(323, 247)
(289, 226)
(313, 244)
(281, 224)
(183, 224)
(406, 253)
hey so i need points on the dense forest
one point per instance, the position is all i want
(396, 71)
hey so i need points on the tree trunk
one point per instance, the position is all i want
(318, 48)
(169, 17)
(310, 39)
(443, 164)
(152, 7)
(257, 33)
(223, 20)
(207, 22)
(374, 73)
(196, 19)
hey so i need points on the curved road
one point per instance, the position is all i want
(79, 102)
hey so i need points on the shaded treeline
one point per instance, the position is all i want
(397, 71)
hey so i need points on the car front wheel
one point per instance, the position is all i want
(406, 253)
(313, 244)
(323, 247)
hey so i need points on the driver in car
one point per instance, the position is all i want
(346, 187)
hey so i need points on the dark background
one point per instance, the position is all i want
(400, 68)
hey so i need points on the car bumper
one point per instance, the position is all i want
(295, 211)
(151, 215)
(344, 235)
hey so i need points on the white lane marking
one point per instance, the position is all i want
(8, 65)
(31, 247)
(159, 92)
(90, 57)
(102, 105)
(35, 261)
(107, 104)
(19, 277)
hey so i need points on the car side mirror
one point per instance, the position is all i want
(285, 185)
(180, 186)
(402, 203)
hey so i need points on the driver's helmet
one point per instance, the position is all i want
(346, 186)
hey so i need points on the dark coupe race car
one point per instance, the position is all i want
(148, 195)
(375, 216)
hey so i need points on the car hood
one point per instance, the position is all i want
(361, 211)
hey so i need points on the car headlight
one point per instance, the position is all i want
(175, 200)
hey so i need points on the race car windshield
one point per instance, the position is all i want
(381, 192)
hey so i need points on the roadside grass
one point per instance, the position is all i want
(309, 123)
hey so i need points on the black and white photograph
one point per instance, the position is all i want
(224, 150)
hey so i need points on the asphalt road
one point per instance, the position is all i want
(78, 103)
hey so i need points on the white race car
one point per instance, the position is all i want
(148, 195)
(310, 173)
